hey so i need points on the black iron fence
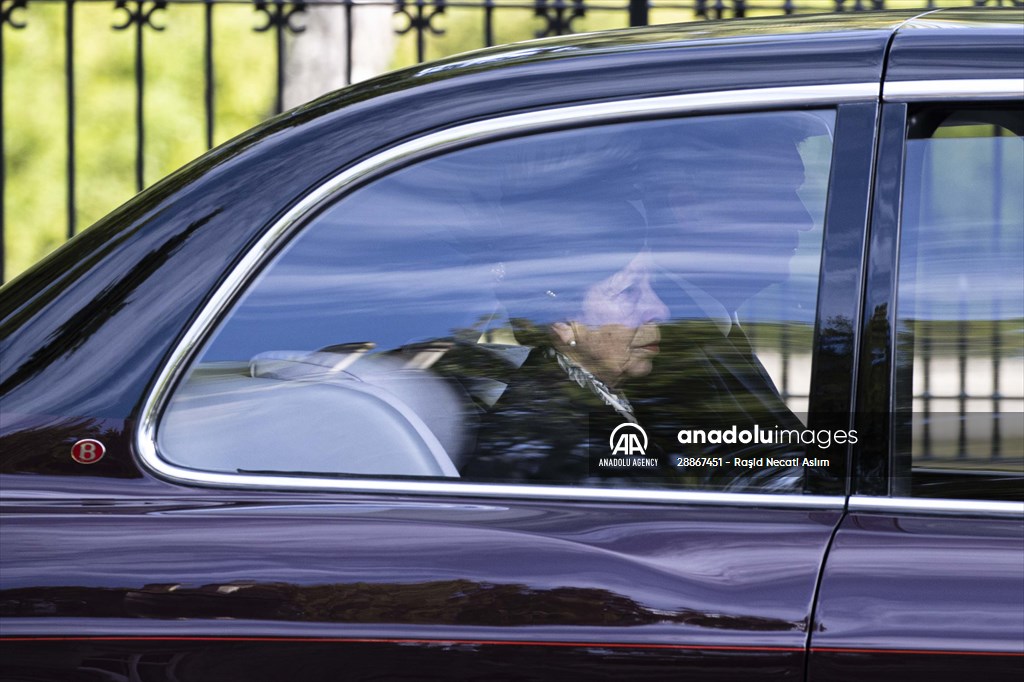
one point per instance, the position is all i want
(40, 207)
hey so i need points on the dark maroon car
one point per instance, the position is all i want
(689, 352)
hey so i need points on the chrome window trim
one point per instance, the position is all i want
(953, 90)
(937, 506)
(603, 112)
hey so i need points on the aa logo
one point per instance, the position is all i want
(628, 439)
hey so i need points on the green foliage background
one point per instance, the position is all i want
(35, 102)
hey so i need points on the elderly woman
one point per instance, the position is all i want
(588, 317)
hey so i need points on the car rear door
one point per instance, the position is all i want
(925, 578)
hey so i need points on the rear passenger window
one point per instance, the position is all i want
(960, 344)
(549, 309)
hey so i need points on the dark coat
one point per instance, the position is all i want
(544, 428)
(706, 380)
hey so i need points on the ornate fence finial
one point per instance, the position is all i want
(141, 15)
(420, 18)
(280, 15)
(7, 10)
(558, 16)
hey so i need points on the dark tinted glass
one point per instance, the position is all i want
(960, 387)
(553, 309)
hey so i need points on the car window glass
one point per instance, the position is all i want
(960, 343)
(551, 309)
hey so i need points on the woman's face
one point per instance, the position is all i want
(616, 332)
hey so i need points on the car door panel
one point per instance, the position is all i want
(645, 588)
(912, 596)
(925, 577)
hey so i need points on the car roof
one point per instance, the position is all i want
(959, 44)
(758, 52)
(688, 35)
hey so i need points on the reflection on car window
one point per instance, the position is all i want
(960, 384)
(619, 305)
